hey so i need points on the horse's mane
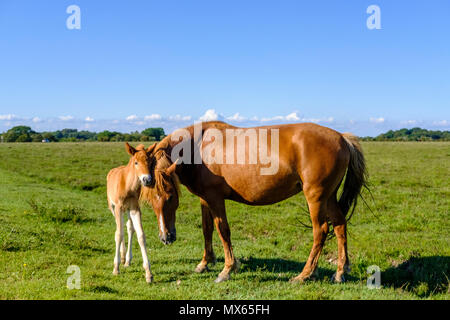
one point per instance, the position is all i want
(163, 182)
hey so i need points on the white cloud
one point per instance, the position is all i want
(89, 119)
(276, 118)
(377, 120)
(7, 117)
(36, 120)
(441, 123)
(236, 117)
(409, 122)
(65, 118)
(210, 115)
(133, 117)
(179, 118)
(292, 117)
(153, 117)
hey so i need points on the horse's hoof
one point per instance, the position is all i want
(116, 272)
(149, 279)
(126, 264)
(301, 279)
(222, 278)
(338, 279)
(201, 268)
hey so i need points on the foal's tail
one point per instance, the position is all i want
(356, 177)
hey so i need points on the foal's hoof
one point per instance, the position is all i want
(127, 264)
(149, 279)
(222, 278)
(338, 278)
(115, 272)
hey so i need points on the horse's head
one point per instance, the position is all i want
(163, 195)
(140, 162)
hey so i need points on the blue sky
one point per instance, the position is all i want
(135, 64)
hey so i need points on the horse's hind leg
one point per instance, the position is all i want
(340, 229)
(208, 228)
(130, 232)
(318, 213)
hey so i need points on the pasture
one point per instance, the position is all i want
(53, 214)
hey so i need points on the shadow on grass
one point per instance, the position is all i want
(267, 269)
(423, 276)
(277, 269)
(102, 289)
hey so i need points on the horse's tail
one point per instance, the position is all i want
(356, 177)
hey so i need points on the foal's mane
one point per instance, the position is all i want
(163, 182)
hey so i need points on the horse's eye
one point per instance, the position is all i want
(136, 163)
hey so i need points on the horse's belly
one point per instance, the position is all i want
(261, 190)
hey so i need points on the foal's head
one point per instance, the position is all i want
(140, 163)
(163, 195)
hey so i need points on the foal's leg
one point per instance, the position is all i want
(130, 232)
(217, 209)
(340, 229)
(318, 210)
(122, 250)
(118, 237)
(208, 228)
(137, 224)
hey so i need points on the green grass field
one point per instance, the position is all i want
(53, 213)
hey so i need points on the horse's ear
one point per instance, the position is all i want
(172, 168)
(130, 149)
(151, 148)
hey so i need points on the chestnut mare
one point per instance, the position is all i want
(124, 188)
(311, 158)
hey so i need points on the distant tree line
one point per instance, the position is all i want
(26, 134)
(414, 134)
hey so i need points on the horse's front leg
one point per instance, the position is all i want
(217, 209)
(135, 216)
(130, 231)
(208, 228)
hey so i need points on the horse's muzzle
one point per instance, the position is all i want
(146, 180)
(168, 238)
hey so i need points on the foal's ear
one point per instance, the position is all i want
(151, 148)
(172, 168)
(130, 149)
